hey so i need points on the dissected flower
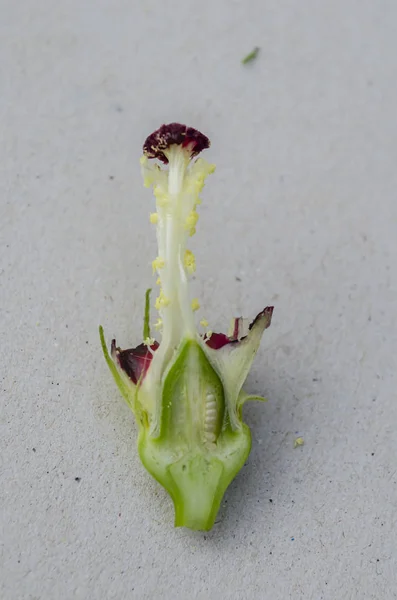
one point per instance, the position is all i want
(186, 390)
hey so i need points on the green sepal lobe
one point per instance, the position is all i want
(125, 392)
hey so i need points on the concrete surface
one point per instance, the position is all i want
(300, 213)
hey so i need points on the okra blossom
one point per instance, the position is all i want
(186, 390)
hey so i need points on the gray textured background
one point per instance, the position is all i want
(302, 208)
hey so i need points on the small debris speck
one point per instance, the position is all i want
(372, 453)
(299, 441)
(34, 449)
(292, 539)
(251, 56)
(111, 177)
(270, 500)
(77, 478)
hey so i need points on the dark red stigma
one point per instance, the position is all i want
(174, 133)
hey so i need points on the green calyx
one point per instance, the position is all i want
(192, 438)
(197, 454)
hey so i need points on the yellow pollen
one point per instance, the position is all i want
(154, 218)
(199, 184)
(195, 304)
(161, 301)
(299, 442)
(149, 341)
(157, 263)
(208, 334)
(190, 261)
(160, 195)
(204, 323)
(191, 220)
(158, 281)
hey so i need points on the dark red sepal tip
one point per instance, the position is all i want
(134, 361)
(266, 312)
(218, 340)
